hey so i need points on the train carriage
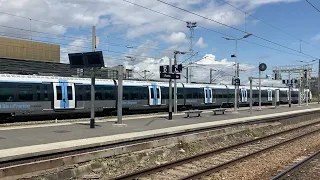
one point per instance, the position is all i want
(22, 95)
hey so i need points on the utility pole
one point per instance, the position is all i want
(170, 90)
(92, 113)
(187, 74)
(289, 89)
(237, 70)
(300, 79)
(120, 94)
(250, 79)
(308, 88)
(211, 75)
(175, 108)
(259, 88)
(175, 102)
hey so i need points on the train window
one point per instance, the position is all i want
(38, 96)
(7, 92)
(69, 91)
(180, 92)
(189, 94)
(98, 93)
(109, 92)
(25, 92)
(59, 92)
(158, 93)
(165, 93)
(79, 92)
(152, 93)
(87, 90)
(45, 96)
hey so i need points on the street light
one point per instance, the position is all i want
(236, 69)
(175, 92)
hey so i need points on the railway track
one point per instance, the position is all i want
(308, 168)
(206, 163)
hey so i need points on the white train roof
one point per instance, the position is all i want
(49, 79)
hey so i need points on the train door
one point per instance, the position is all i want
(154, 95)
(269, 95)
(244, 95)
(207, 95)
(64, 95)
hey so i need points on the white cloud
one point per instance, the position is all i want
(200, 43)
(200, 70)
(316, 37)
(114, 17)
(251, 4)
(177, 38)
(73, 47)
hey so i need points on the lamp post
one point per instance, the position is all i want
(175, 92)
(236, 68)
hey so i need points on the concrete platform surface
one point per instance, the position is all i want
(17, 143)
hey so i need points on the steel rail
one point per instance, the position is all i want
(296, 166)
(203, 155)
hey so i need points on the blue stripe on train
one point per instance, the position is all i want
(208, 94)
(64, 103)
(155, 92)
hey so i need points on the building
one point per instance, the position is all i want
(34, 58)
(28, 50)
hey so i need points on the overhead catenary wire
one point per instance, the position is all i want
(269, 24)
(224, 34)
(313, 6)
(234, 28)
(41, 21)
(83, 39)
(32, 19)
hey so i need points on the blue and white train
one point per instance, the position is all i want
(22, 95)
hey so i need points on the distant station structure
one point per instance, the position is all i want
(34, 58)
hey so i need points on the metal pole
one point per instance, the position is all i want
(238, 96)
(250, 78)
(170, 91)
(175, 106)
(210, 76)
(235, 75)
(145, 74)
(187, 74)
(300, 89)
(259, 90)
(308, 89)
(289, 89)
(319, 82)
(120, 94)
(92, 113)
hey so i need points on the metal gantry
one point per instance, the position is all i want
(303, 72)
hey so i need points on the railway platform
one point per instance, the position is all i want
(20, 141)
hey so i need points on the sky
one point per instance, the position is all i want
(142, 34)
